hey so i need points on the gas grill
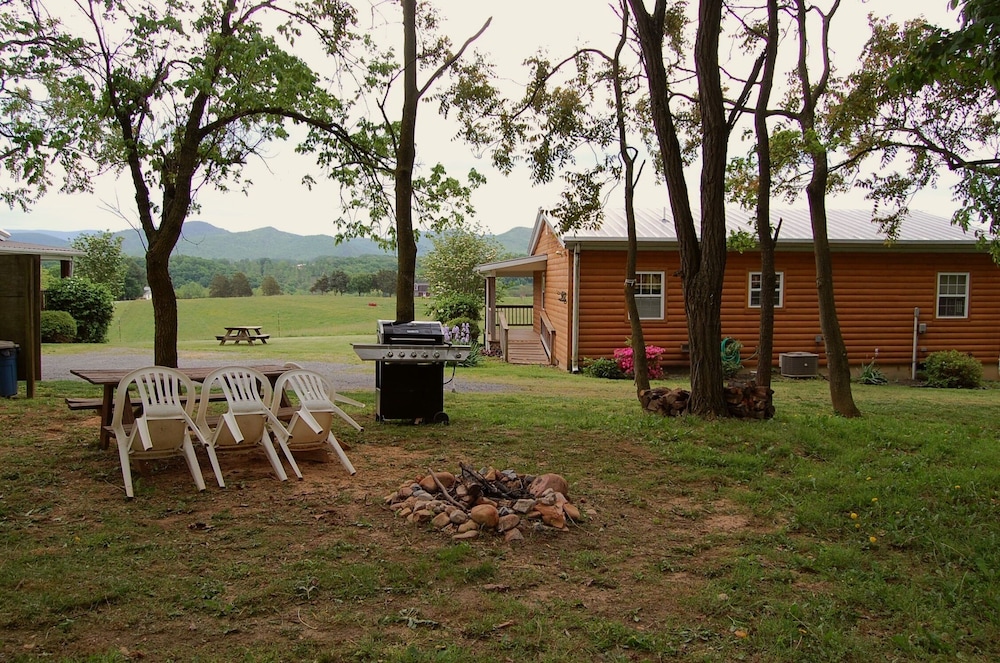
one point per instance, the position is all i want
(409, 369)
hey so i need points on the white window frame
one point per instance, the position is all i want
(779, 289)
(644, 284)
(949, 294)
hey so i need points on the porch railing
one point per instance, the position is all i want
(517, 315)
(547, 336)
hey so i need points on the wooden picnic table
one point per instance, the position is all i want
(238, 333)
(109, 379)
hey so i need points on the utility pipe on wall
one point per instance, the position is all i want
(576, 309)
(916, 328)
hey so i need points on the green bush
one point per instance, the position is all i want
(456, 306)
(58, 327)
(604, 368)
(953, 369)
(90, 304)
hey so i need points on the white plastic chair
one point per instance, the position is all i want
(245, 423)
(310, 427)
(164, 428)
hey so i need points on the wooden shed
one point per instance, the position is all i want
(932, 288)
(21, 300)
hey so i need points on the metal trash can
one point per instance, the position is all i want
(8, 368)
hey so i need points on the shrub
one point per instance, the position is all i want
(90, 304)
(603, 368)
(953, 369)
(58, 327)
(872, 374)
(455, 306)
(623, 356)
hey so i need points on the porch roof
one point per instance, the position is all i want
(525, 266)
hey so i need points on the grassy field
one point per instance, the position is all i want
(805, 538)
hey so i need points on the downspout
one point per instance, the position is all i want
(916, 330)
(576, 309)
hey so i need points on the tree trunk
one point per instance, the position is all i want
(702, 265)
(640, 365)
(164, 303)
(767, 240)
(839, 369)
(836, 351)
(406, 245)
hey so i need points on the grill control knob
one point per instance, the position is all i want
(458, 355)
(413, 354)
(424, 354)
(436, 354)
(389, 354)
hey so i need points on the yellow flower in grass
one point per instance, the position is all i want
(874, 499)
(872, 539)
(854, 516)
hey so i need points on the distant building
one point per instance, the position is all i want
(421, 289)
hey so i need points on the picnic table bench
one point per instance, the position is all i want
(238, 333)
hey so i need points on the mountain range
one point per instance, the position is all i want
(203, 240)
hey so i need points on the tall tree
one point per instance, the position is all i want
(703, 259)
(440, 199)
(103, 261)
(811, 94)
(450, 267)
(180, 98)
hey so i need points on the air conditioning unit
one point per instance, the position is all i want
(798, 364)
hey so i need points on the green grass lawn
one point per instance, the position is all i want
(808, 537)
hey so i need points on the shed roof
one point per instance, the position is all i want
(8, 247)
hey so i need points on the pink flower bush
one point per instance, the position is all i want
(623, 356)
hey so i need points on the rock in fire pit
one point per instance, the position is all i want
(487, 500)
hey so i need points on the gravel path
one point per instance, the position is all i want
(344, 377)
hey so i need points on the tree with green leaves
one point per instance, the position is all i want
(269, 286)
(220, 286)
(103, 261)
(239, 286)
(450, 267)
(178, 97)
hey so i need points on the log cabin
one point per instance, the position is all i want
(932, 287)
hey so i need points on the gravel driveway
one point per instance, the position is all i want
(344, 377)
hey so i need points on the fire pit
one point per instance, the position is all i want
(476, 502)
(409, 369)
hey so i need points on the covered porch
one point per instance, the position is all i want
(521, 333)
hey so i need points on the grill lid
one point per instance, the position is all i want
(418, 331)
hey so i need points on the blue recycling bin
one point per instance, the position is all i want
(8, 369)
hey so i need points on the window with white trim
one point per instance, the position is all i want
(649, 295)
(754, 290)
(953, 295)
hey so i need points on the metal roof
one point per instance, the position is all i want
(846, 227)
(46, 252)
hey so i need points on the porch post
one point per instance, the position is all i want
(491, 306)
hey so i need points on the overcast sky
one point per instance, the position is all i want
(518, 29)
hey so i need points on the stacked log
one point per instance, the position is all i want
(744, 400)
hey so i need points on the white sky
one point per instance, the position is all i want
(519, 28)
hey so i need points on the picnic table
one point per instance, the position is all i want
(109, 379)
(248, 333)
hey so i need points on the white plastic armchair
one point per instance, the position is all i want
(244, 425)
(165, 426)
(310, 427)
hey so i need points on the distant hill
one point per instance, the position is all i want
(203, 240)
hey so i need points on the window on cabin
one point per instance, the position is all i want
(779, 289)
(953, 295)
(649, 295)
